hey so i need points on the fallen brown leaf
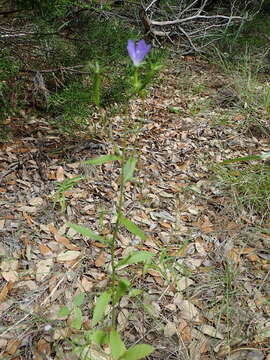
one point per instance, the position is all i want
(100, 261)
(68, 256)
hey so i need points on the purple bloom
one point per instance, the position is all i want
(137, 52)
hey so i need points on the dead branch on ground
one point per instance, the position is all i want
(188, 26)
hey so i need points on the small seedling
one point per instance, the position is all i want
(60, 196)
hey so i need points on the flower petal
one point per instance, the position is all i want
(131, 48)
(143, 47)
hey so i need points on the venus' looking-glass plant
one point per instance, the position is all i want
(120, 285)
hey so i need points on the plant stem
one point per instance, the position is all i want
(116, 227)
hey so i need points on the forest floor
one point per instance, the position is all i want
(207, 294)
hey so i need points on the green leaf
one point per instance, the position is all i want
(99, 337)
(102, 159)
(87, 232)
(100, 307)
(133, 228)
(129, 168)
(137, 352)
(78, 300)
(123, 285)
(78, 319)
(134, 292)
(69, 183)
(247, 158)
(138, 256)
(174, 109)
(63, 312)
(116, 345)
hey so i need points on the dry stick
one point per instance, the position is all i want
(150, 5)
(188, 37)
(195, 17)
(28, 34)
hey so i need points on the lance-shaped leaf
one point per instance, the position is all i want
(247, 158)
(137, 352)
(63, 312)
(129, 168)
(102, 159)
(116, 345)
(78, 299)
(88, 233)
(100, 307)
(122, 288)
(138, 256)
(130, 226)
(78, 319)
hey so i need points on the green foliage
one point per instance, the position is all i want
(235, 41)
(119, 285)
(137, 352)
(66, 185)
(102, 159)
(247, 158)
(46, 7)
(74, 311)
(100, 307)
(122, 288)
(73, 42)
(136, 257)
(96, 96)
(266, 100)
(71, 108)
(249, 184)
(9, 69)
(130, 226)
(116, 344)
(129, 169)
(88, 233)
(72, 102)
(9, 66)
(102, 43)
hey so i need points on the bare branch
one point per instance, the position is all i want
(187, 24)
(195, 17)
(151, 4)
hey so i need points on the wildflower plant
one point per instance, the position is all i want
(137, 53)
(119, 284)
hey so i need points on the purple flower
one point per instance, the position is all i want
(137, 52)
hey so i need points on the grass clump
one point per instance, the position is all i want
(9, 69)
(71, 108)
(249, 186)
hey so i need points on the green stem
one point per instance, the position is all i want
(96, 94)
(116, 227)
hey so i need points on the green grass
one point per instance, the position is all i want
(9, 69)
(249, 186)
(241, 57)
(71, 108)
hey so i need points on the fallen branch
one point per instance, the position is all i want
(186, 25)
(195, 17)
